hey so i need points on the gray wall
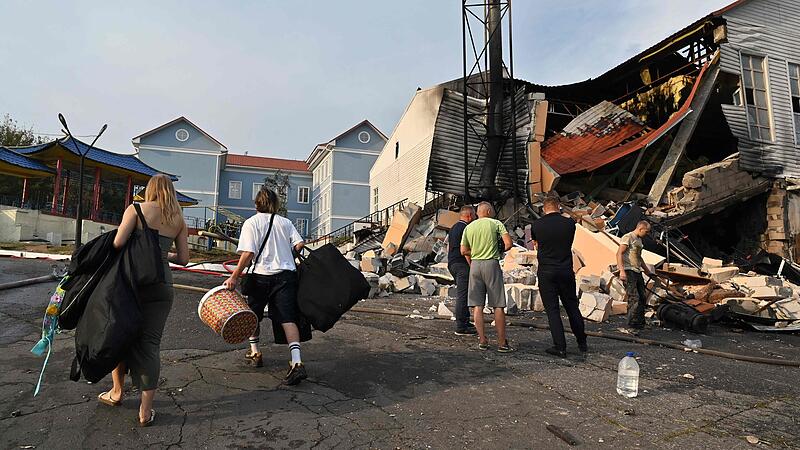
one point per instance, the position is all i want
(349, 200)
(352, 166)
(766, 28)
(196, 172)
(350, 140)
(166, 138)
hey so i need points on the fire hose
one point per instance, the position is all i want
(600, 334)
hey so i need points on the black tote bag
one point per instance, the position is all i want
(144, 254)
(329, 286)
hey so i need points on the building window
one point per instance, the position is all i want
(396, 149)
(302, 194)
(375, 199)
(794, 80)
(235, 190)
(257, 187)
(182, 135)
(302, 226)
(754, 78)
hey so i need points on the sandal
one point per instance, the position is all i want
(148, 422)
(105, 398)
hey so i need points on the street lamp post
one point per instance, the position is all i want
(79, 213)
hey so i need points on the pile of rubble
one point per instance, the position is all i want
(412, 259)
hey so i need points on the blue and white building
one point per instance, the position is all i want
(243, 175)
(182, 148)
(340, 190)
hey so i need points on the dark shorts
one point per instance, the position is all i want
(279, 291)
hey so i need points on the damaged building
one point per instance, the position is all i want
(701, 132)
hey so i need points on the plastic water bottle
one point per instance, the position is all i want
(628, 376)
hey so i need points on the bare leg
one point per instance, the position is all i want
(477, 315)
(118, 378)
(500, 325)
(146, 405)
(291, 331)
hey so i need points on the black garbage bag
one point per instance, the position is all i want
(329, 286)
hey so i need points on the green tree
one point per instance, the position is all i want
(279, 182)
(12, 134)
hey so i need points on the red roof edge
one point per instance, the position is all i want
(264, 162)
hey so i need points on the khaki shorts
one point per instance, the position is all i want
(486, 280)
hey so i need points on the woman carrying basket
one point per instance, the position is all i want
(160, 211)
(267, 240)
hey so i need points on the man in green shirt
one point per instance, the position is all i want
(479, 245)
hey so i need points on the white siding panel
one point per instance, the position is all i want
(770, 28)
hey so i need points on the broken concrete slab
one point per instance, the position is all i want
(520, 276)
(445, 219)
(404, 283)
(721, 274)
(447, 291)
(756, 281)
(710, 263)
(402, 223)
(522, 295)
(595, 306)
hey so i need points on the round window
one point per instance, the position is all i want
(363, 137)
(182, 135)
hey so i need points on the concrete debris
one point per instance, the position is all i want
(713, 183)
(520, 276)
(440, 269)
(444, 311)
(524, 297)
(445, 219)
(447, 291)
(426, 286)
(595, 306)
(402, 223)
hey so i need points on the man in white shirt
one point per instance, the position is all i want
(274, 274)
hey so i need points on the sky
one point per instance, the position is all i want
(274, 78)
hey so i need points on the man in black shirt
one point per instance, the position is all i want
(554, 234)
(458, 265)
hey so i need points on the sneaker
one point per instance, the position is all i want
(470, 331)
(256, 359)
(483, 346)
(556, 352)
(505, 348)
(296, 374)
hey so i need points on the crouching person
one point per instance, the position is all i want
(267, 240)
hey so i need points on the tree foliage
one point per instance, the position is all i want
(12, 134)
(279, 182)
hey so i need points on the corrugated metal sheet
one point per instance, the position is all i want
(767, 28)
(590, 138)
(587, 152)
(446, 167)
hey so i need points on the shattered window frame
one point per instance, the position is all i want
(756, 96)
(794, 95)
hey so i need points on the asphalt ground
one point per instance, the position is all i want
(383, 381)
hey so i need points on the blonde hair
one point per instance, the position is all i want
(160, 190)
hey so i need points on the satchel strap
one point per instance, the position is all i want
(253, 263)
(138, 209)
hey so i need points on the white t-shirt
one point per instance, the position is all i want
(277, 255)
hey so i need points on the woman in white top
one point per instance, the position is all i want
(275, 276)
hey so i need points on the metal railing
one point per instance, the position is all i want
(341, 235)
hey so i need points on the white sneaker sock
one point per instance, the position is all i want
(294, 349)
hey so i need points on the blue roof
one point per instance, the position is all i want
(183, 198)
(14, 158)
(127, 162)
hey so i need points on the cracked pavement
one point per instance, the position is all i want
(380, 381)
